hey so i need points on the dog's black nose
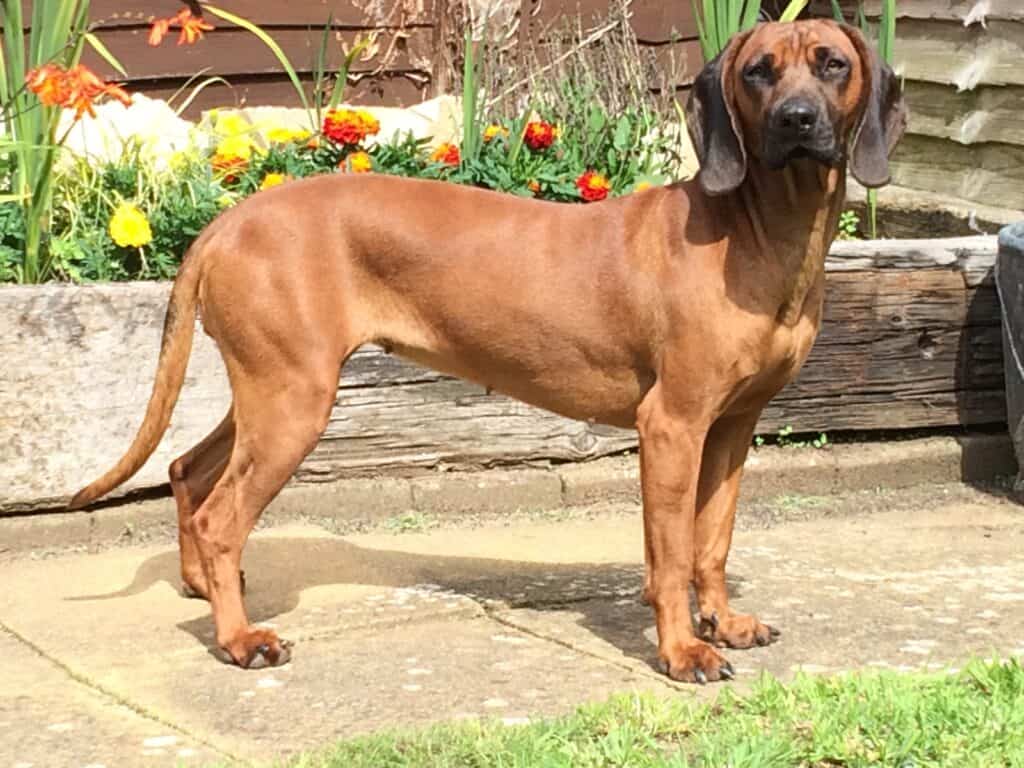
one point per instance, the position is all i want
(796, 118)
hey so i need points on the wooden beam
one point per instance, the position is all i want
(910, 338)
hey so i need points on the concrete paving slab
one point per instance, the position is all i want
(48, 720)
(511, 619)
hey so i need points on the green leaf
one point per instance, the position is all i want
(793, 10)
(268, 41)
(623, 134)
(103, 51)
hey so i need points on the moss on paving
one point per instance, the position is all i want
(973, 718)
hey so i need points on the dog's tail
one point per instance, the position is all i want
(179, 327)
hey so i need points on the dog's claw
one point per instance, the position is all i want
(727, 672)
(700, 677)
(775, 633)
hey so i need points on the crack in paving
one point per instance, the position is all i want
(112, 696)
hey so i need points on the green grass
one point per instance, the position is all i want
(974, 718)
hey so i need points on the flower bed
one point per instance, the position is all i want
(129, 200)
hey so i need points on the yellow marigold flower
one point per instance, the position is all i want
(129, 227)
(360, 162)
(235, 146)
(281, 135)
(491, 132)
(273, 180)
(232, 124)
(371, 125)
(641, 186)
(226, 200)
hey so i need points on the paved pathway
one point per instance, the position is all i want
(106, 665)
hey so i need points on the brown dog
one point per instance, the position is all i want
(680, 311)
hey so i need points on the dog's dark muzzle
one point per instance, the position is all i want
(799, 128)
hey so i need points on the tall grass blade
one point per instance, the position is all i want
(750, 10)
(268, 41)
(104, 52)
(793, 10)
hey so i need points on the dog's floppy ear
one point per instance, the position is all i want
(883, 118)
(714, 129)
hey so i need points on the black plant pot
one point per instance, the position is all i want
(1010, 285)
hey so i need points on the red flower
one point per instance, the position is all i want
(349, 126)
(593, 186)
(448, 154)
(192, 28)
(540, 135)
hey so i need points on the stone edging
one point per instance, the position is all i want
(770, 473)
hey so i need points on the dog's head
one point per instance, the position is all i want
(784, 91)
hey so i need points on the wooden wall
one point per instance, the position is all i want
(963, 64)
(417, 41)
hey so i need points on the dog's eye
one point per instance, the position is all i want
(759, 71)
(835, 66)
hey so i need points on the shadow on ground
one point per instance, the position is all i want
(279, 569)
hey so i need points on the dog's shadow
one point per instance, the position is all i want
(605, 598)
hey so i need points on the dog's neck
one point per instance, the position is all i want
(793, 215)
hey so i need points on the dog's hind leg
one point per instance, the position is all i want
(279, 415)
(193, 476)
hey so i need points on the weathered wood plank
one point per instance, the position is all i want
(910, 339)
(297, 13)
(237, 52)
(985, 114)
(972, 11)
(990, 174)
(943, 52)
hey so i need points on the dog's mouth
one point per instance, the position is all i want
(825, 151)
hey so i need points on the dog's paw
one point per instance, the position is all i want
(257, 649)
(736, 631)
(695, 662)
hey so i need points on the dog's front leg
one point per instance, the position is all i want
(670, 455)
(725, 452)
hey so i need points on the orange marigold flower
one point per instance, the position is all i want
(447, 153)
(540, 135)
(229, 166)
(491, 132)
(593, 186)
(534, 186)
(348, 126)
(77, 88)
(192, 28)
(358, 162)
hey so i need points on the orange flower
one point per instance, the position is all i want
(593, 186)
(447, 153)
(358, 162)
(49, 84)
(349, 126)
(192, 28)
(540, 135)
(76, 88)
(534, 186)
(229, 165)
